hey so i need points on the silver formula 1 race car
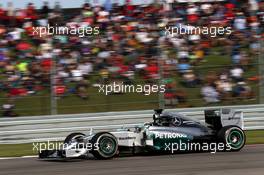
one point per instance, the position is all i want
(169, 132)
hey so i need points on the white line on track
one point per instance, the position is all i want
(23, 157)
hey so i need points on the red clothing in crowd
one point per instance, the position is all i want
(60, 90)
(46, 64)
(129, 8)
(17, 92)
(229, 14)
(230, 6)
(152, 71)
(2, 12)
(31, 12)
(192, 18)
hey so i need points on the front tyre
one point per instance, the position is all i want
(105, 145)
(233, 137)
(73, 137)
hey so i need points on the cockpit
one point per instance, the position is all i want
(167, 119)
(171, 119)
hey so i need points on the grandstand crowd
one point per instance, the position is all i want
(131, 45)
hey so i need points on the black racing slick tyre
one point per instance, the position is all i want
(73, 137)
(233, 137)
(105, 145)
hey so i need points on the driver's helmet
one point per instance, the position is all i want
(165, 121)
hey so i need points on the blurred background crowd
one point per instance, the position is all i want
(132, 48)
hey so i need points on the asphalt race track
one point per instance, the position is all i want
(249, 161)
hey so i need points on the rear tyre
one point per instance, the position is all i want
(233, 137)
(105, 145)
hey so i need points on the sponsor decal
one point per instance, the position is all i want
(160, 135)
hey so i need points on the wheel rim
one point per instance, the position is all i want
(107, 145)
(235, 139)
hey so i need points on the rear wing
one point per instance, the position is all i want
(222, 117)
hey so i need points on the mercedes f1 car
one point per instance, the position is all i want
(164, 134)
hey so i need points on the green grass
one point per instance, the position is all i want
(255, 137)
(12, 150)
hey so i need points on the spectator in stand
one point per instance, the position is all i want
(190, 79)
(237, 74)
(183, 66)
(242, 91)
(210, 94)
(8, 109)
(45, 10)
